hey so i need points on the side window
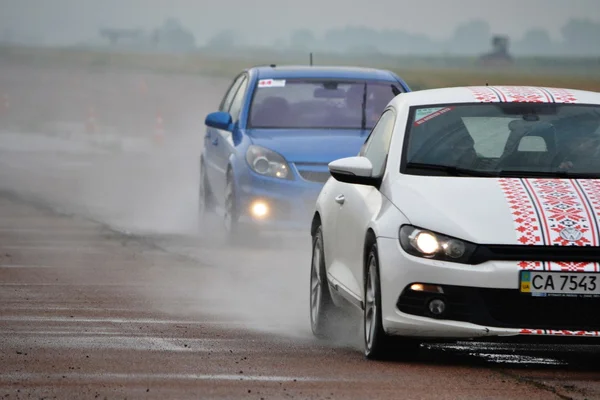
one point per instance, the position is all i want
(236, 104)
(378, 144)
(226, 102)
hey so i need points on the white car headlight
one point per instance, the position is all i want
(423, 243)
(267, 162)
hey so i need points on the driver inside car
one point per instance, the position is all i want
(582, 147)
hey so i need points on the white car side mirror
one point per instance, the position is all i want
(358, 170)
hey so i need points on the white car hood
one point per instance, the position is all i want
(503, 210)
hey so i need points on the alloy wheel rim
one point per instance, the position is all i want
(315, 284)
(370, 305)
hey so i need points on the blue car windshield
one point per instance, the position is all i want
(319, 104)
(505, 139)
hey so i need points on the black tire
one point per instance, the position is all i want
(322, 308)
(205, 204)
(235, 233)
(377, 344)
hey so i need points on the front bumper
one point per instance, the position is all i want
(290, 203)
(481, 301)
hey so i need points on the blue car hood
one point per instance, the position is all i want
(310, 146)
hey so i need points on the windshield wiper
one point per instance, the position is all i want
(450, 170)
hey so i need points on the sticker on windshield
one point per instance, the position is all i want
(271, 83)
(425, 114)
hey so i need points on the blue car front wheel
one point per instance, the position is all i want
(205, 205)
(234, 231)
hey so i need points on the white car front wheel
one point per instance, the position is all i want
(377, 344)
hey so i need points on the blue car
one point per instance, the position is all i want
(267, 147)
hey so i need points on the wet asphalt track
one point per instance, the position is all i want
(88, 310)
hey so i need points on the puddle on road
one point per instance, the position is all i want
(502, 353)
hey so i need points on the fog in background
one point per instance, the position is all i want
(544, 27)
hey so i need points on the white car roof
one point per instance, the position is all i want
(495, 94)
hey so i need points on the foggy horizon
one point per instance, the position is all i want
(264, 22)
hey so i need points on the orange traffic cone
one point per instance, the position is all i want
(90, 125)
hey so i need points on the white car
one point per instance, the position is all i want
(470, 212)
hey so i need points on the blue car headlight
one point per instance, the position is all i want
(423, 243)
(267, 162)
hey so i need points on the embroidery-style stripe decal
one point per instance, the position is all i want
(498, 93)
(537, 205)
(554, 212)
(543, 229)
(563, 212)
(589, 211)
(566, 219)
(484, 94)
(549, 94)
(525, 217)
(591, 191)
(562, 95)
(523, 94)
(549, 332)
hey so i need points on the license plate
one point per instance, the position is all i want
(546, 283)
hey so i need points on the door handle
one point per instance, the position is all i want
(340, 199)
(215, 141)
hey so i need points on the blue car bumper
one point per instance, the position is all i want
(283, 204)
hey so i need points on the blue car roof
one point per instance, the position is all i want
(339, 72)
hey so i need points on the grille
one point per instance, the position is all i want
(507, 308)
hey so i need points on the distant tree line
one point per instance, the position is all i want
(578, 37)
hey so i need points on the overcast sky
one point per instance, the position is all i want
(67, 21)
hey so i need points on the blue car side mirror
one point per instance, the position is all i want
(219, 120)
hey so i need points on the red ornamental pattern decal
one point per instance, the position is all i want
(484, 94)
(523, 212)
(564, 212)
(548, 332)
(554, 212)
(519, 94)
(562, 95)
(522, 94)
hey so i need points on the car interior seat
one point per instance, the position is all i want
(271, 112)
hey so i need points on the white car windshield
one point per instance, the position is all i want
(319, 104)
(505, 139)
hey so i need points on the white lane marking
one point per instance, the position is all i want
(64, 308)
(135, 376)
(68, 246)
(123, 342)
(63, 333)
(67, 332)
(55, 231)
(9, 266)
(117, 320)
(124, 285)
